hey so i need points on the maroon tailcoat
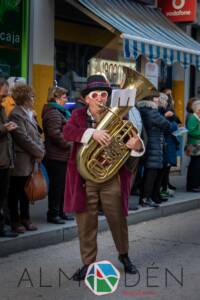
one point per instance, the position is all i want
(75, 192)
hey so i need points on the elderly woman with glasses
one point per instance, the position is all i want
(28, 149)
(54, 117)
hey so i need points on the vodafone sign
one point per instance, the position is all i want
(179, 10)
(178, 4)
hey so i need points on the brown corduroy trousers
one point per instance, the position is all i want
(108, 195)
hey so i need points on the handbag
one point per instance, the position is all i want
(192, 150)
(36, 187)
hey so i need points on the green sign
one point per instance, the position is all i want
(12, 19)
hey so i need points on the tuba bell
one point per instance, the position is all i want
(133, 79)
(99, 163)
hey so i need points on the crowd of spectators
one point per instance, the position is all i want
(23, 143)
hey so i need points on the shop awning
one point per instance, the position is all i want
(146, 31)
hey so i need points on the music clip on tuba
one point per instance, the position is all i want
(99, 163)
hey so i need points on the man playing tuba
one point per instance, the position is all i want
(84, 196)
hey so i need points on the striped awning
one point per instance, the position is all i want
(146, 31)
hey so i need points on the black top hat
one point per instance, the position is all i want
(96, 82)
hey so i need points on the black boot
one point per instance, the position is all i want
(128, 265)
(157, 200)
(148, 202)
(163, 199)
(55, 220)
(80, 273)
(171, 187)
(67, 217)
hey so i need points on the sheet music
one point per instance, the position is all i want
(123, 97)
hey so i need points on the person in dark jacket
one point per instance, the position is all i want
(170, 101)
(28, 149)
(171, 145)
(54, 117)
(6, 159)
(155, 125)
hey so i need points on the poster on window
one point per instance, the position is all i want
(151, 73)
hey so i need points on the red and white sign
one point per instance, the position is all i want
(179, 10)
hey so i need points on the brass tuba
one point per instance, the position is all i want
(99, 163)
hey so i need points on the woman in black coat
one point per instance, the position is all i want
(54, 117)
(171, 142)
(155, 125)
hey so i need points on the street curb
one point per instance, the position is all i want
(53, 234)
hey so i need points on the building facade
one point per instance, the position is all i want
(66, 40)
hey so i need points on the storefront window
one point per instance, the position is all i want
(71, 65)
(10, 37)
(83, 46)
(75, 62)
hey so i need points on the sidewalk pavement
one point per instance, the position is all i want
(48, 234)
